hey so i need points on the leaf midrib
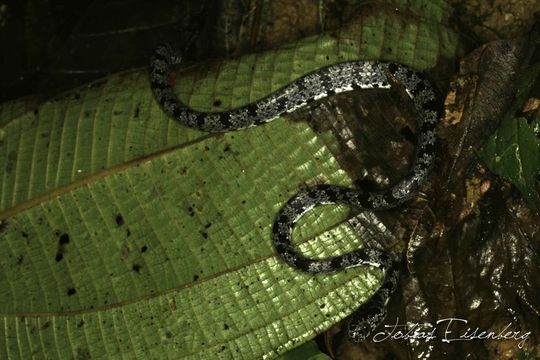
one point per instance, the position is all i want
(97, 176)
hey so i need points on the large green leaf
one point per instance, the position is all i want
(513, 151)
(125, 234)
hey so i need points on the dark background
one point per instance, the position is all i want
(50, 46)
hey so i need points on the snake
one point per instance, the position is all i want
(325, 81)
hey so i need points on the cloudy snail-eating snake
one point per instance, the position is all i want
(318, 84)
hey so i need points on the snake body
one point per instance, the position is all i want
(323, 82)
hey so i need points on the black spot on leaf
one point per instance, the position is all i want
(144, 248)
(71, 291)
(119, 220)
(64, 239)
(136, 268)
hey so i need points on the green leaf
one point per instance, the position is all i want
(13, 109)
(125, 234)
(513, 152)
(307, 351)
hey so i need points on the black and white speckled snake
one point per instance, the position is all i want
(323, 82)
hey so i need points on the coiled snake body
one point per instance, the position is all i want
(323, 82)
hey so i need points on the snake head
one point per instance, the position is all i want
(168, 53)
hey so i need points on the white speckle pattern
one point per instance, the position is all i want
(377, 201)
(326, 81)
(239, 116)
(431, 117)
(319, 267)
(267, 110)
(429, 137)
